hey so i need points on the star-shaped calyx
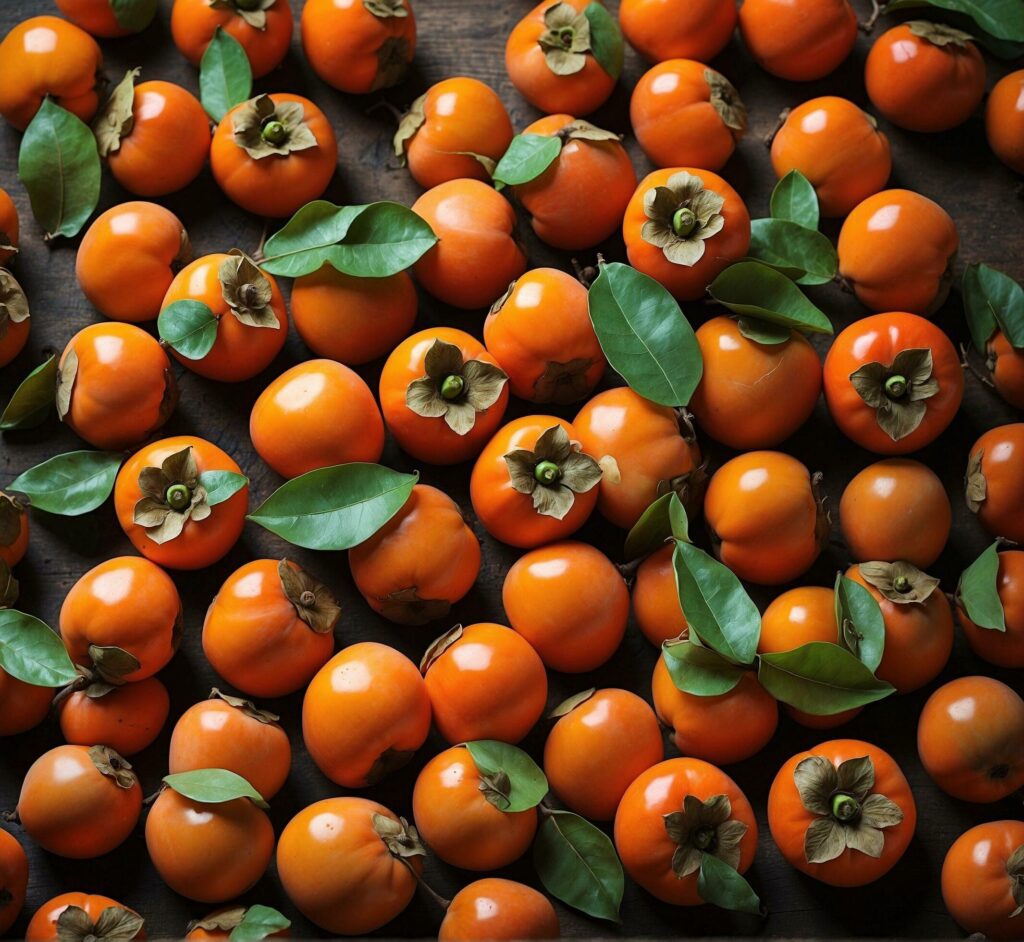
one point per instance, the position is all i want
(553, 473)
(899, 391)
(704, 827)
(900, 582)
(114, 924)
(247, 291)
(566, 39)
(254, 12)
(13, 303)
(263, 128)
(681, 216)
(172, 495)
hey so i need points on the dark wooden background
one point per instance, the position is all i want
(467, 37)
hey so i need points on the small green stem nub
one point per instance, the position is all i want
(547, 472)
(274, 132)
(901, 584)
(452, 386)
(845, 807)
(896, 387)
(684, 221)
(178, 497)
(703, 838)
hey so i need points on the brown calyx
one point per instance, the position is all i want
(314, 603)
(115, 924)
(114, 766)
(553, 472)
(439, 646)
(975, 485)
(704, 827)
(407, 608)
(899, 391)
(899, 582)
(246, 706)
(13, 303)
(116, 119)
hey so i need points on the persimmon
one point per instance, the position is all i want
(496, 909)
(84, 913)
(273, 154)
(13, 879)
(683, 226)
(270, 628)
(842, 812)
(893, 382)
(601, 742)
(9, 227)
(208, 852)
(477, 254)
(678, 29)
(541, 335)
(970, 737)
(896, 509)
(252, 321)
(799, 41)
(422, 561)
(656, 607)
(317, 414)
(262, 27)
(22, 706)
(359, 46)
(645, 449)
(15, 317)
(753, 395)
(532, 483)
(230, 733)
(127, 718)
(896, 250)
(14, 530)
(838, 147)
(164, 508)
(570, 602)
(995, 481)
(1004, 120)
(222, 922)
(484, 682)
(1006, 367)
(125, 605)
(673, 813)
(349, 319)
(100, 17)
(457, 128)
(981, 879)
(47, 56)
(458, 813)
(552, 57)
(348, 864)
(579, 199)
(114, 385)
(443, 395)
(725, 728)
(128, 258)
(79, 801)
(1003, 648)
(682, 111)
(382, 696)
(764, 513)
(925, 76)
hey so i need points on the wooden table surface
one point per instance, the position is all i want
(467, 37)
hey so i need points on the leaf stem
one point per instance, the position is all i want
(426, 887)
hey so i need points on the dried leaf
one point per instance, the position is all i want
(66, 373)
(314, 603)
(975, 485)
(115, 119)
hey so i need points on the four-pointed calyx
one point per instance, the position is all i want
(898, 392)
(252, 11)
(247, 291)
(900, 582)
(566, 39)
(13, 303)
(314, 603)
(172, 495)
(115, 924)
(704, 827)
(681, 216)
(553, 473)
(264, 128)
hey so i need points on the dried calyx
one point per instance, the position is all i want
(580, 130)
(849, 814)
(727, 102)
(939, 34)
(8, 586)
(247, 291)
(110, 666)
(439, 646)
(246, 706)
(496, 787)
(13, 303)
(386, 8)
(681, 216)
(115, 924)
(400, 837)
(898, 392)
(225, 920)
(454, 388)
(314, 603)
(704, 827)
(553, 473)
(900, 582)
(975, 485)
(566, 39)
(11, 512)
(116, 119)
(264, 128)
(252, 11)
(408, 125)
(1015, 871)
(172, 495)
(406, 607)
(66, 374)
(113, 765)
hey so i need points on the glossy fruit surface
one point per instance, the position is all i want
(1004, 120)
(1006, 365)
(677, 29)
(995, 481)
(43, 925)
(9, 227)
(97, 17)
(798, 40)
(13, 879)
(22, 706)
(496, 909)
(656, 606)
(193, 23)
(1004, 648)
(127, 719)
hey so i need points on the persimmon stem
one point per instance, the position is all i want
(257, 256)
(781, 120)
(869, 24)
(426, 887)
(10, 817)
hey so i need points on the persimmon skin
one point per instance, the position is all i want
(1001, 454)
(459, 824)
(1006, 365)
(14, 552)
(477, 254)
(970, 737)
(193, 23)
(798, 40)
(128, 719)
(656, 608)
(14, 340)
(9, 227)
(43, 925)
(461, 116)
(922, 86)
(640, 836)
(13, 879)
(753, 395)
(387, 710)
(96, 17)
(579, 200)
(22, 706)
(496, 909)
(838, 148)
(595, 752)
(678, 29)
(895, 251)
(1003, 648)
(45, 55)
(254, 638)
(1004, 121)
(353, 320)
(976, 887)
(317, 414)
(134, 245)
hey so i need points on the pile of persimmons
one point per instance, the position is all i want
(617, 398)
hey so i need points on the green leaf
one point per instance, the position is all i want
(225, 75)
(721, 885)
(135, 15)
(978, 591)
(213, 786)
(189, 327)
(335, 508)
(664, 518)
(645, 336)
(699, 670)
(33, 399)
(220, 485)
(820, 678)
(303, 244)
(526, 785)
(258, 923)
(32, 652)
(71, 484)
(993, 299)
(527, 157)
(60, 166)
(577, 864)
(1004, 19)
(763, 332)
(753, 289)
(605, 38)
(384, 239)
(717, 607)
(857, 609)
(795, 200)
(787, 245)
(1000, 48)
